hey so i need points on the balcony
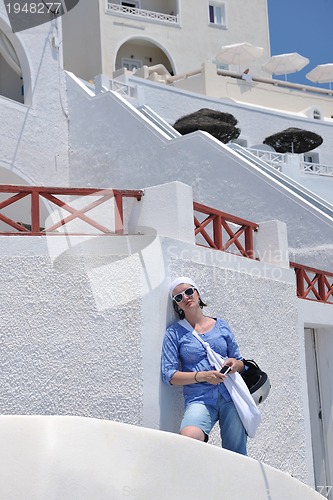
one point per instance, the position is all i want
(141, 14)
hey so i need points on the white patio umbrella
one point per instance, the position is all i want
(323, 73)
(238, 53)
(284, 64)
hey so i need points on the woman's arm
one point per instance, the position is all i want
(186, 378)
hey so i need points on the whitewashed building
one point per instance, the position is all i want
(118, 34)
(85, 305)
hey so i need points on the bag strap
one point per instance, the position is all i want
(214, 358)
(189, 327)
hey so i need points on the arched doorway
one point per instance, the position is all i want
(138, 52)
(11, 78)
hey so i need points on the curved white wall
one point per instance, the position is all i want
(71, 457)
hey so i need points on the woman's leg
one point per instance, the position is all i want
(233, 434)
(193, 432)
(198, 421)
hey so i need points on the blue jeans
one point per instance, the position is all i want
(233, 435)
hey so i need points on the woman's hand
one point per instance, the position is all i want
(236, 365)
(211, 377)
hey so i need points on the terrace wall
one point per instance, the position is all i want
(84, 318)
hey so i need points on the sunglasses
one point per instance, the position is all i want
(186, 293)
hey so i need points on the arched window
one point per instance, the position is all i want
(11, 79)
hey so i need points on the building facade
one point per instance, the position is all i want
(150, 32)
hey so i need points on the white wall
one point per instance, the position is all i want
(322, 185)
(61, 353)
(81, 39)
(34, 135)
(271, 94)
(250, 298)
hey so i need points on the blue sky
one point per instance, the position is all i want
(303, 26)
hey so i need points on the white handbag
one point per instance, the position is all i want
(240, 394)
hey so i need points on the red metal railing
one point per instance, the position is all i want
(52, 195)
(217, 229)
(223, 231)
(313, 284)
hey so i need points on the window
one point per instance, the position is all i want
(311, 157)
(134, 4)
(316, 114)
(130, 63)
(223, 67)
(217, 14)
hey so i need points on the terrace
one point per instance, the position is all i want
(306, 100)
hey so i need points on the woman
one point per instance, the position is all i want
(205, 395)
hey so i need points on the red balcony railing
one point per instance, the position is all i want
(31, 214)
(313, 284)
(213, 228)
(223, 231)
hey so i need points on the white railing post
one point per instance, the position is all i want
(168, 208)
(271, 243)
(102, 84)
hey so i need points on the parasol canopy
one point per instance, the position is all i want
(294, 140)
(220, 125)
(238, 53)
(323, 73)
(284, 64)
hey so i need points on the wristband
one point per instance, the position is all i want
(195, 378)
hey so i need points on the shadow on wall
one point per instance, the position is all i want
(20, 211)
(171, 397)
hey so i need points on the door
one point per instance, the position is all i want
(319, 352)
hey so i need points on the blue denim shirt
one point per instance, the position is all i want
(182, 351)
